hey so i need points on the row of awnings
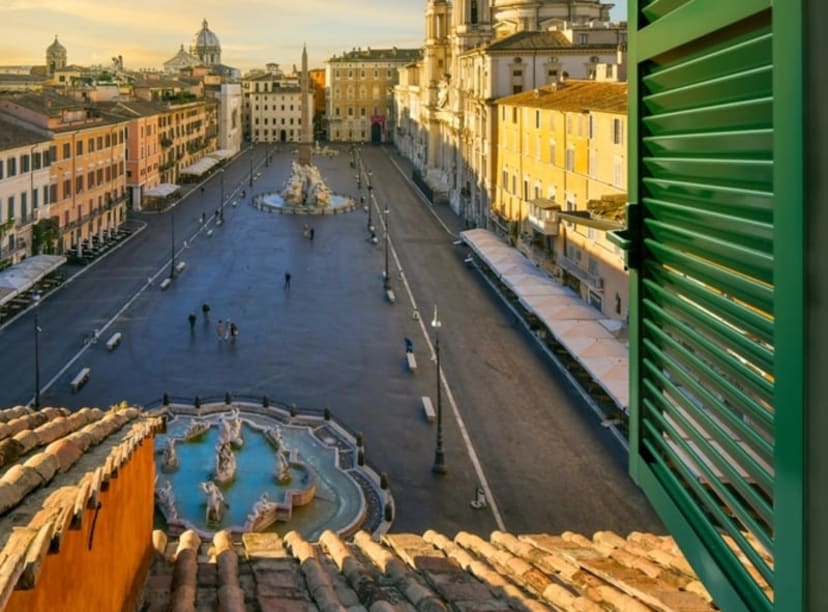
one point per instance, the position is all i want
(22, 276)
(577, 326)
(208, 162)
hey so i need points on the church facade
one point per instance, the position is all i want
(475, 52)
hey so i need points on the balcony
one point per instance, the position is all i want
(594, 282)
(543, 216)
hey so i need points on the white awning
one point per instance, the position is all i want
(200, 167)
(161, 191)
(576, 325)
(222, 154)
(22, 276)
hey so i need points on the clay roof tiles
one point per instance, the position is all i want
(429, 572)
(52, 465)
(574, 96)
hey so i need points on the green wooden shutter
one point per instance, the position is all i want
(704, 236)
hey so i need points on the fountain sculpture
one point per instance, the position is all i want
(231, 429)
(170, 461)
(215, 503)
(305, 187)
(225, 462)
(166, 499)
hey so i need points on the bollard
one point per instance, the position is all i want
(293, 410)
(389, 512)
(360, 457)
(360, 440)
(327, 414)
(166, 399)
(384, 481)
(197, 401)
(228, 398)
(265, 401)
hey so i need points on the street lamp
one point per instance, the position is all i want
(36, 299)
(386, 281)
(221, 203)
(370, 207)
(172, 243)
(439, 466)
(251, 165)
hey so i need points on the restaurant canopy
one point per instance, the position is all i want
(576, 325)
(23, 276)
(161, 191)
(200, 167)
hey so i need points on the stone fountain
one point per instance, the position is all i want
(263, 469)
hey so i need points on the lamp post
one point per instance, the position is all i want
(36, 299)
(251, 166)
(439, 466)
(386, 280)
(370, 207)
(172, 243)
(221, 203)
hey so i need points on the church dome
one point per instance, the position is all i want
(56, 46)
(205, 37)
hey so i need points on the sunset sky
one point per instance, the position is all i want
(252, 32)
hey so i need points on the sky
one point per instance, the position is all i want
(251, 32)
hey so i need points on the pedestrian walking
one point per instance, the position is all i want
(191, 318)
(220, 330)
(311, 233)
(203, 217)
(205, 310)
(234, 331)
(287, 280)
(228, 324)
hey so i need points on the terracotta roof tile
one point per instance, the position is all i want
(53, 464)
(429, 572)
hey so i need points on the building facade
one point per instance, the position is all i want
(88, 168)
(476, 52)
(360, 93)
(273, 107)
(25, 158)
(561, 184)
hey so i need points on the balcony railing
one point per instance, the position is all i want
(593, 281)
(547, 227)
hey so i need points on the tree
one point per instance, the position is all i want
(45, 236)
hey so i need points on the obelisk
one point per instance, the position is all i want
(306, 141)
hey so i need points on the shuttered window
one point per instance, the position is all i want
(704, 312)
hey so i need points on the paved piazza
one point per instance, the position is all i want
(332, 341)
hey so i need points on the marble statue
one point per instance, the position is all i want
(195, 429)
(231, 430)
(215, 502)
(306, 187)
(283, 471)
(170, 460)
(166, 500)
(225, 462)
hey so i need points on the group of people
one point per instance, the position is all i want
(309, 232)
(225, 330)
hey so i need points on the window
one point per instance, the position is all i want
(617, 131)
(78, 184)
(583, 39)
(553, 153)
(590, 127)
(618, 171)
(10, 208)
(35, 199)
(525, 189)
(591, 165)
(570, 160)
(1, 169)
(473, 16)
(67, 150)
(37, 160)
(79, 147)
(91, 146)
(24, 207)
(517, 73)
(505, 180)
(11, 166)
(24, 163)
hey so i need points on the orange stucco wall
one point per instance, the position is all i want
(108, 576)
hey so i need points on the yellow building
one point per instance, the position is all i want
(360, 89)
(87, 175)
(561, 183)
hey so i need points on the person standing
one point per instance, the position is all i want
(191, 318)
(312, 232)
(234, 331)
(220, 330)
(287, 280)
(205, 310)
